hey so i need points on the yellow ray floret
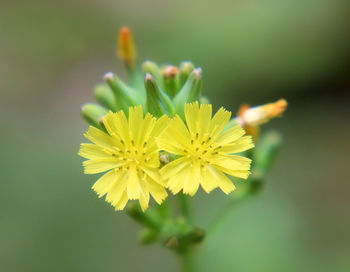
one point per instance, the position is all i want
(129, 154)
(204, 151)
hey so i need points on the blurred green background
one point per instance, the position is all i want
(52, 53)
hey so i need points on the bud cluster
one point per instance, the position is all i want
(165, 91)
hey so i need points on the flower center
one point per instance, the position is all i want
(201, 150)
(131, 156)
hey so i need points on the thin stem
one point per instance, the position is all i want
(185, 207)
(188, 263)
(134, 77)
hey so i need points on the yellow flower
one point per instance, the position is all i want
(204, 151)
(130, 155)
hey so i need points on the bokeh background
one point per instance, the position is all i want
(52, 53)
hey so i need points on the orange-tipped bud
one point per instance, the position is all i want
(170, 71)
(126, 48)
(256, 116)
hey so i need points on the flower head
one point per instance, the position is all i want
(252, 117)
(204, 151)
(129, 153)
(255, 116)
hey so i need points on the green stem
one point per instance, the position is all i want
(188, 263)
(185, 208)
(135, 78)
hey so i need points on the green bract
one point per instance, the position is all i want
(164, 91)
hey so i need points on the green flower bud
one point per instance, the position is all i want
(158, 102)
(153, 69)
(190, 92)
(185, 70)
(93, 113)
(170, 79)
(105, 97)
(125, 95)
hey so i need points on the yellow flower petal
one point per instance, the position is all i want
(231, 135)
(208, 183)
(133, 187)
(91, 151)
(135, 120)
(192, 181)
(116, 191)
(205, 113)
(100, 165)
(223, 181)
(173, 168)
(99, 138)
(219, 122)
(240, 145)
(104, 183)
(191, 115)
(176, 183)
(120, 205)
(157, 191)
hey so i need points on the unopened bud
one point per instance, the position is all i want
(190, 92)
(170, 77)
(125, 96)
(153, 69)
(105, 97)
(256, 116)
(126, 48)
(158, 102)
(93, 113)
(185, 70)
